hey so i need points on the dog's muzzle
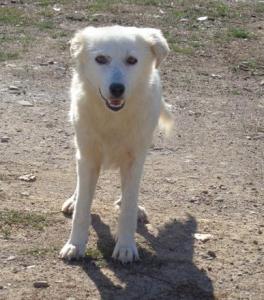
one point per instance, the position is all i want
(113, 103)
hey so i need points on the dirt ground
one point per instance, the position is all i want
(206, 178)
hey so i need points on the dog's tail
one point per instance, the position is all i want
(166, 119)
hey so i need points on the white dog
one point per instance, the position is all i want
(116, 104)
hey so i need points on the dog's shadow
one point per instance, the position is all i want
(166, 270)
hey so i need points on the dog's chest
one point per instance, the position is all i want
(121, 142)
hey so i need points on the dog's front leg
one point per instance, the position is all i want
(87, 175)
(125, 248)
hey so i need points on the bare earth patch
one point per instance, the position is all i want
(207, 178)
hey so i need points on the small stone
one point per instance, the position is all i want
(1, 287)
(170, 180)
(184, 20)
(40, 284)
(202, 18)
(203, 237)
(11, 257)
(56, 7)
(13, 88)
(211, 254)
(25, 103)
(219, 199)
(194, 200)
(4, 139)
(28, 178)
(217, 76)
(70, 285)
(222, 187)
(31, 267)
(25, 194)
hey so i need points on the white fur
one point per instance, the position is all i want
(106, 138)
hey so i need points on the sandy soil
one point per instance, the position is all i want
(206, 178)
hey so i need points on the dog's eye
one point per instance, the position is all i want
(101, 60)
(131, 60)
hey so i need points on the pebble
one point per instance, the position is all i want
(13, 88)
(70, 285)
(11, 257)
(216, 76)
(219, 199)
(203, 237)
(170, 180)
(28, 178)
(202, 18)
(4, 139)
(40, 284)
(222, 187)
(211, 254)
(25, 103)
(31, 267)
(25, 194)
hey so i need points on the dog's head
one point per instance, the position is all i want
(116, 60)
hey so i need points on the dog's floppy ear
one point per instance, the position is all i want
(158, 44)
(77, 44)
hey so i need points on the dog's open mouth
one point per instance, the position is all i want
(114, 104)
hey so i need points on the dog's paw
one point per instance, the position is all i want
(142, 215)
(68, 206)
(71, 251)
(125, 252)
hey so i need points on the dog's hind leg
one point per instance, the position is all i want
(142, 215)
(68, 205)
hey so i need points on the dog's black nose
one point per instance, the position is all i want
(117, 89)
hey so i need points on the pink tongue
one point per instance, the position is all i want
(115, 102)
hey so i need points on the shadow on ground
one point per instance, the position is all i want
(165, 272)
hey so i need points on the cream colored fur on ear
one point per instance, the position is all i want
(77, 44)
(159, 45)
